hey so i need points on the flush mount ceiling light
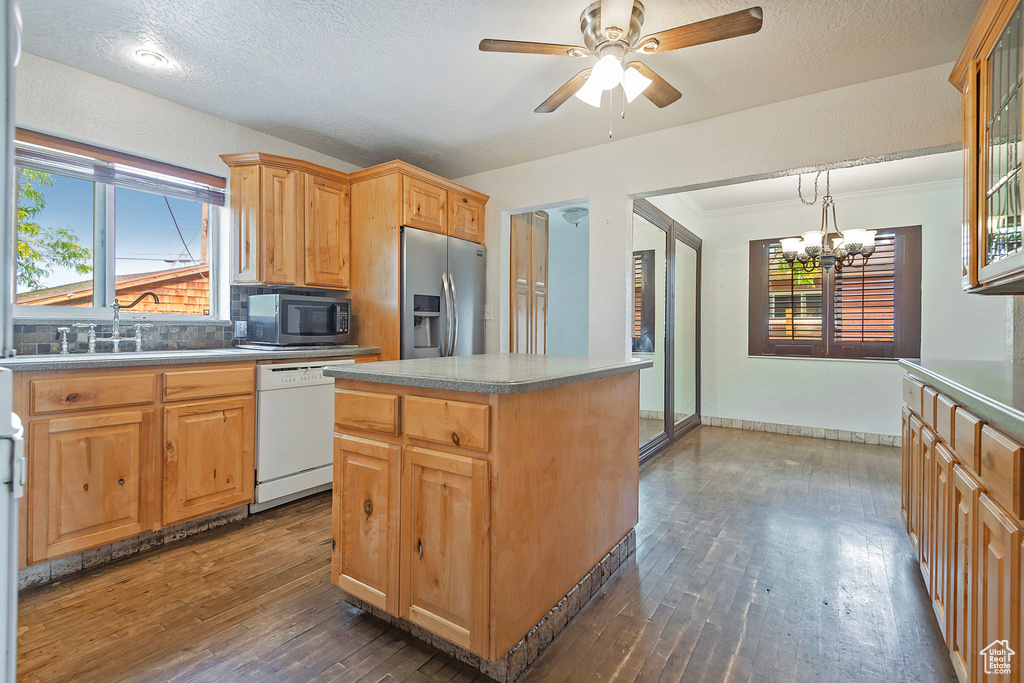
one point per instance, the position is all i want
(151, 58)
(828, 246)
(612, 45)
(575, 215)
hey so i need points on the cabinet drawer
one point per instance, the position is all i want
(90, 391)
(1001, 468)
(449, 422)
(945, 411)
(912, 390)
(928, 397)
(184, 385)
(967, 438)
(366, 410)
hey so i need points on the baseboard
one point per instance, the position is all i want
(797, 430)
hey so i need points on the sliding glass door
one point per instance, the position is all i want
(666, 326)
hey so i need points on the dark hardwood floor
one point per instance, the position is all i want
(760, 557)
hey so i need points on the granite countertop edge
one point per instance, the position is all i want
(84, 361)
(990, 409)
(482, 386)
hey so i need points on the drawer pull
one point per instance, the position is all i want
(368, 507)
(120, 482)
(85, 487)
(455, 439)
(71, 398)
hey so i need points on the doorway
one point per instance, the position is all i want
(665, 326)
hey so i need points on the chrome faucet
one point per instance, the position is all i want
(117, 310)
(115, 335)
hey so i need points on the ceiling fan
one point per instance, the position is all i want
(613, 45)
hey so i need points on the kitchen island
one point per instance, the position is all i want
(479, 501)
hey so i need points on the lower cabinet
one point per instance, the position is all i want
(86, 477)
(209, 456)
(445, 553)
(367, 493)
(998, 575)
(914, 507)
(941, 487)
(426, 515)
(926, 518)
(905, 479)
(964, 503)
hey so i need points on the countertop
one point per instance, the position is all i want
(505, 373)
(80, 361)
(992, 390)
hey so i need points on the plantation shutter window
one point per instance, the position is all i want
(867, 310)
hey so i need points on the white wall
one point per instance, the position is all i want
(912, 111)
(803, 391)
(568, 285)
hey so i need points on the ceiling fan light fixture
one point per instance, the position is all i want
(591, 93)
(649, 46)
(607, 72)
(634, 83)
(613, 32)
(575, 52)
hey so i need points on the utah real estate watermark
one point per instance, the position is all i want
(997, 657)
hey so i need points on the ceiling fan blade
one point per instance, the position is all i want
(564, 93)
(660, 92)
(521, 47)
(731, 25)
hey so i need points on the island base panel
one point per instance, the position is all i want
(513, 663)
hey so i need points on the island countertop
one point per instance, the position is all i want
(504, 373)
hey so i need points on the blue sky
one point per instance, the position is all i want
(145, 237)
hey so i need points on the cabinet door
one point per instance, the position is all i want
(465, 218)
(208, 457)
(905, 468)
(941, 532)
(519, 321)
(445, 546)
(998, 581)
(282, 225)
(87, 477)
(964, 505)
(245, 224)
(326, 236)
(914, 509)
(925, 531)
(424, 205)
(367, 476)
(539, 282)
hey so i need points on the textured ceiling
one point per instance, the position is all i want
(920, 170)
(372, 81)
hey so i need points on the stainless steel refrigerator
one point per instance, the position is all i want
(442, 295)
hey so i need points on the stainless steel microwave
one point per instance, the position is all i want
(291, 319)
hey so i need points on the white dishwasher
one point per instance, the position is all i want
(294, 431)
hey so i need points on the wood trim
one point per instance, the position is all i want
(263, 159)
(33, 137)
(404, 168)
(976, 38)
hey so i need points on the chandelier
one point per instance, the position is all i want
(828, 246)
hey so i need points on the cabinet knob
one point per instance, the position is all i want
(419, 546)
(71, 398)
(455, 439)
(368, 507)
(85, 487)
(120, 482)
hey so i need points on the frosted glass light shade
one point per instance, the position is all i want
(792, 244)
(634, 83)
(812, 238)
(869, 238)
(590, 93)
(607, 73)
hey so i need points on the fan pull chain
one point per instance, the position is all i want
(611, 111)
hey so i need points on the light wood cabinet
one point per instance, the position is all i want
(914, 502)
(905, 467)
(528, 329)
(327, 246)
(424, 205)
(367, 494)
(926, 517)
(88, 475)
(208, 457)
(998, 582)
(988, 75)
(941, 522)
(465, 217)
(962, 573)
(290, 222)
(445, 553)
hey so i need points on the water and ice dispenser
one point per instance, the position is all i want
(426, 321)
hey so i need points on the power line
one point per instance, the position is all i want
(180, 236)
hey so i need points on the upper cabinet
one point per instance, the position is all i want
(424, 205)
(290, 222)
(988, 75)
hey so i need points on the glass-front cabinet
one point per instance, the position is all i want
(988, 75)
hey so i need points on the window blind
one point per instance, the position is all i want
(794, 298)
(71, 165)
(865, 297)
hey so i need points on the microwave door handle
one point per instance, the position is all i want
(336, 311)
(455, 312)
(447, 314)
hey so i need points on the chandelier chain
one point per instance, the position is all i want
(800, 187)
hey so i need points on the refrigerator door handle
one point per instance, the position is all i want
(447, 314)
(455, 311)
